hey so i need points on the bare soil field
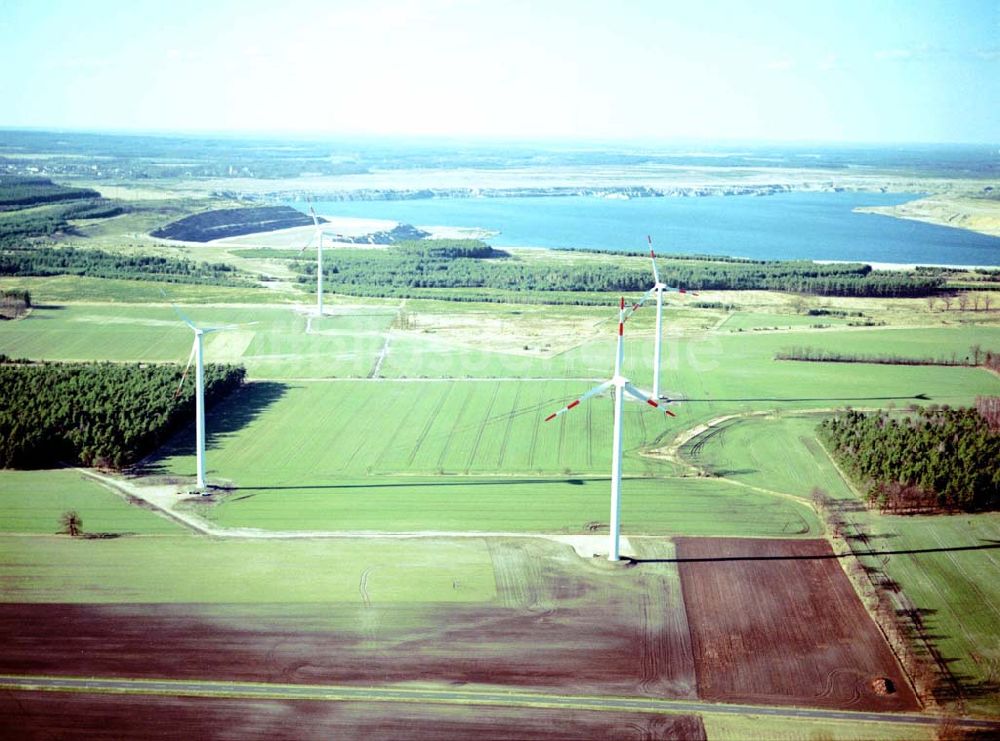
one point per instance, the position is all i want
(777, 622)
(31, 715)
(561, 626)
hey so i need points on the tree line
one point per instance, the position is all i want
(95, 263)
(96, 414)
(930, 459)
(427, 265)
(21, 191)
(977, 356)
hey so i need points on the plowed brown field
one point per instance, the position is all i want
(777, 622)
(73, 716)
(560, 625)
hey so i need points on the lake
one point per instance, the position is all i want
(813, 226)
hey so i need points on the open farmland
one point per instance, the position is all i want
(33, 501)
(778, 622)
(491, 611)
(183, 718)
(399, 417)
(946, 568)
(774, 452)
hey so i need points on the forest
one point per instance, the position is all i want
(20, 191)
(472, 264)
(107, 415)
(37, 207)
(934, 459)
(94, 263)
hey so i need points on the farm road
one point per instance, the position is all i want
(335, 693)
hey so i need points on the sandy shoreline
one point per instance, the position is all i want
(979, 215)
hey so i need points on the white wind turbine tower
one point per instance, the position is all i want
(197, 354)
(317, 236)
(657, 289)
(621, 386)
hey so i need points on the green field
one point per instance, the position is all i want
(197, 570)
(33, 501)
(649, 507)
(744, 320)
(947, 566)
(448, 436)
(777, 453)
(958, 591)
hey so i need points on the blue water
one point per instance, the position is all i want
(814, 226)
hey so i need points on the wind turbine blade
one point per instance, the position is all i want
(652, 257)
(312, 212)
(637, 394)
(194, 346)
(593, 392)
(645, 297)
(183, 316)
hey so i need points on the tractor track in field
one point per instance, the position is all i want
(446, 448)
(427, 425)
(482, 429)
(510, 424)
(366, 599)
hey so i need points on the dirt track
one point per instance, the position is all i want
(777, 622)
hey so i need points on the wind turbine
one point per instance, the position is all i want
(317, 236)
(197, 354)
(657, 289)
(621, 386)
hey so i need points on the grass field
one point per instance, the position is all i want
(183, 569)
(947, 566)
(649, 507)
(744, 320)
(436, 442)
(957, 591)
(779, 453)
(719, 727)
(33, 501)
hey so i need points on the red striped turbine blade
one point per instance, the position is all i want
(637, 394)
(593, 392)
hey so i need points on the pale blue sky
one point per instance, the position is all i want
(841, 70)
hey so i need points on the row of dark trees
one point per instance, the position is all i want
(101, 264)
(975, 357)
(931, 459)
(96, 414)
(472, 264)
(20, 191)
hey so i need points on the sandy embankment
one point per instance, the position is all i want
(961, 212)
